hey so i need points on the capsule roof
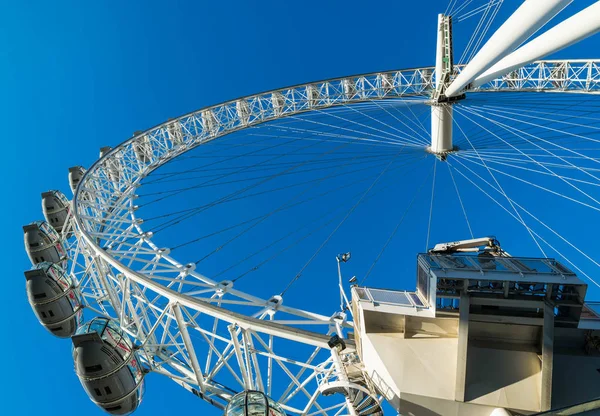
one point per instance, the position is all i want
(75, 175)
(253, 403)
(55, 206)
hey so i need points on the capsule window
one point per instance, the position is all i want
(98, 392)
(42, 258)
(107, 390)
(39, 296)
(110, 409)
(43, 314)
(51, 314)
(93, 368)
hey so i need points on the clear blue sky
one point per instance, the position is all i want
(75, 76)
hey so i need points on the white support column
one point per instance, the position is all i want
(576, 28)
(441, 114)
(524, 22)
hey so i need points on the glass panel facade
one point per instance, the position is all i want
(498, 264)
(388, 296)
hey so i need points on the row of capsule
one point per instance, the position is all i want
(106, 361)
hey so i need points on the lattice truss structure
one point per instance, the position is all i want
(203, 334)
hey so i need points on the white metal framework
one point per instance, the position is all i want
(198, 331)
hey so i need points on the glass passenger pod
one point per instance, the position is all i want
(253, 403)
(54, 299)
(43, 243)
(108, 366)
(75, 175)
(55, 206)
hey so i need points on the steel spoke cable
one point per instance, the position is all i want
(327, 165)
(226, 197)
(517, 219)
(545, 167)
(503, 163)
(535, 125)
(227, 159)
(372, 137)
(278, 209)
(397, 227)
(413, 139)
(328, 192)
(431, 204)
(293, 244)
(462, 206)
(498, 184)
(417, 123)
(248, 195)
(232, 173)
(264, 248)
(252, 168)
(484, 32)
(297, 276)
(392, 137)
(514, 131)
(473, 160)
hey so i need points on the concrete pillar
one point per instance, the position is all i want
(547, 356)
(463, 343)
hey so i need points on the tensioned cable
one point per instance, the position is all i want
(512, 130)
(278, 209)
(559, 194)
(327, 164)
(391, 236)
(525, 225)
(297, 276)
(431, 204)
(238, 198)
(462, 206)
(328, 192)
(497, 183)
(335, 208)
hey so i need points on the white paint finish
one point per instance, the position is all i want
(441, 128)
(576, 28)
(524, 22)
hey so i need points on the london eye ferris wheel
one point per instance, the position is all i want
(204, 249)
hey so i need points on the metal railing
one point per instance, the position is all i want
(482, 264)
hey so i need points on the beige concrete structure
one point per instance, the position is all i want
(481, 334)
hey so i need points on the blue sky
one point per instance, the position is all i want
(76, 76)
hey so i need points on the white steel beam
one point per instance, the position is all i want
(576, 28)
(189, 346)
(524, 22)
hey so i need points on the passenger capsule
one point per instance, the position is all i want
(55, 206)
(108, 367)
(43, 243)
(75, 175)
(253, 403)
(54, 299)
